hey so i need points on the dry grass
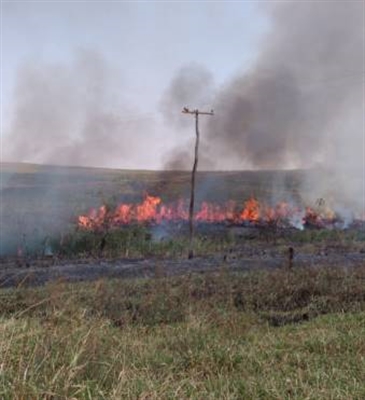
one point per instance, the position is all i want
(222, 335)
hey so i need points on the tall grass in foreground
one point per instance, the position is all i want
(269, 335)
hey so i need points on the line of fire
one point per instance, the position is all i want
(252, 212)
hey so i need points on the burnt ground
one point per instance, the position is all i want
(15, 272)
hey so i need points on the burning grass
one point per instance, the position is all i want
(253, 211)
(222, 335)
(51, 201)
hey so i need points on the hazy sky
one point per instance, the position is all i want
(142, 45)
(103, 84)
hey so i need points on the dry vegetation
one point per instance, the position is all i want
(224, 334)
(270, 335)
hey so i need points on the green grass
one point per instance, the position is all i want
(135, 241)
(171, 241)
(268, 335)
(230, 357)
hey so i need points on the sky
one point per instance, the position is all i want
(139, 46)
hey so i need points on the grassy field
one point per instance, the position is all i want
(269, 334)
(40, 204)
(263, 335)
(131, 184)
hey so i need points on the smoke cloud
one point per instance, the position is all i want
(73, 115)
(309, 76)
(301, 104)
(192, 87)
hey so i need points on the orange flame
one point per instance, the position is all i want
(251, 211)
(152, 210)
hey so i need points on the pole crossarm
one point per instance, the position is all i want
(195, 112)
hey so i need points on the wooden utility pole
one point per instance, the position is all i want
(195, 165)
